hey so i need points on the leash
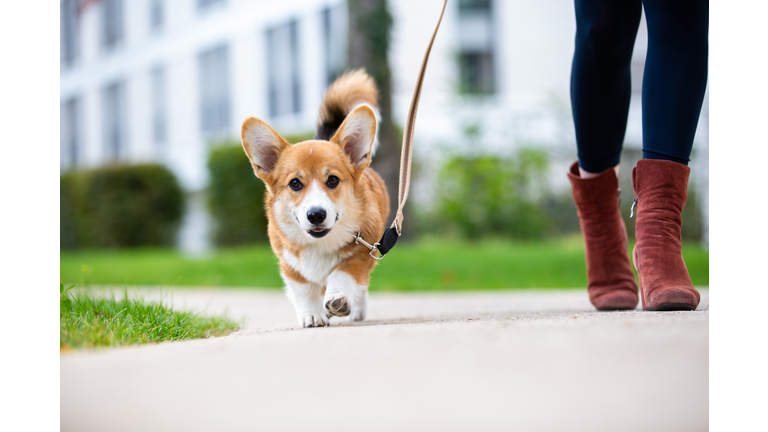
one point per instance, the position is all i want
(392, 233)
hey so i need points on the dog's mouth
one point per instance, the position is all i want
(318, 232)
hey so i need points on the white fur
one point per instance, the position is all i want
(317, 267)
(262, 145)
(341, 284)
(357, 137)
(314, 263)
(289, 220)
(291, 259)
(316, 197)
(378, 123)
(260, 134)
(307, 299)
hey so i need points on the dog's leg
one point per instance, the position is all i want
(361, 305)
(345, 297)
(307, 299)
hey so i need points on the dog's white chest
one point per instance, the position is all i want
(314, 265)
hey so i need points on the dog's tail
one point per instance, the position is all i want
(349, 91)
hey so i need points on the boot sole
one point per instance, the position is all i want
(671, 307)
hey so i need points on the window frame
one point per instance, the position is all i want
(484, 71)
(215, 95)
(112, 24)
(69, 20)
(114, 122)
(280, 88)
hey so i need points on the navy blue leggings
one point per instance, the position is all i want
(674, 81)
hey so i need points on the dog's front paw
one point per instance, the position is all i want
(338, 305)
(314, 320)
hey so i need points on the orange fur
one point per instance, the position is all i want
(359, 200)
(370, 195)
(347, 91)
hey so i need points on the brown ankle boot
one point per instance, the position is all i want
(661, 188)
(610, 280)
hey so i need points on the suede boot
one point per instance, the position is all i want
(661, 188)
(610, 280)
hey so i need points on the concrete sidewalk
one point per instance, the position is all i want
(538, 360)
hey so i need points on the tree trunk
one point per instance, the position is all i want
(369, 31)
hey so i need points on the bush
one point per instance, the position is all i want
(487, 195)
(120, 206)
(73, 224)
(235, 198)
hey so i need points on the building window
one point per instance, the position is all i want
(159, 119)
(205, 4)
(156, 15)
(114, 121)
(69, 41)
(70, 133)
(214, 91)
(111, 23)
(476, 47)
(283, 70)
(335, 41)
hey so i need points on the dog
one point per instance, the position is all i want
(319, 195)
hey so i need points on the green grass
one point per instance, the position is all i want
(440, 265)
(104, 321)
(426, 265)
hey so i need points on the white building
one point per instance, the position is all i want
(159, 80)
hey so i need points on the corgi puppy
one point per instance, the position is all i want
(319, 195)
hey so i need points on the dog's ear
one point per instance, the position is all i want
(356, 135)
(262, 145)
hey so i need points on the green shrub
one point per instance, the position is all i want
(561, 212)
(73, 225)
(298, 137)
(236, 195)
(235, 198)
(487, 195)
(120, 206)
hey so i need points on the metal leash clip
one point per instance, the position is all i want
(372, 247)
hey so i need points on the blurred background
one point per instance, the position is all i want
(156, 189)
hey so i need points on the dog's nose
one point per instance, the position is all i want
(316, 215)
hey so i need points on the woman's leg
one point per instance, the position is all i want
(675, 76)
(673, 90)
(600, 79)
(600, 92)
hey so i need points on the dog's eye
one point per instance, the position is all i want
(332, 182)
(295, 184)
